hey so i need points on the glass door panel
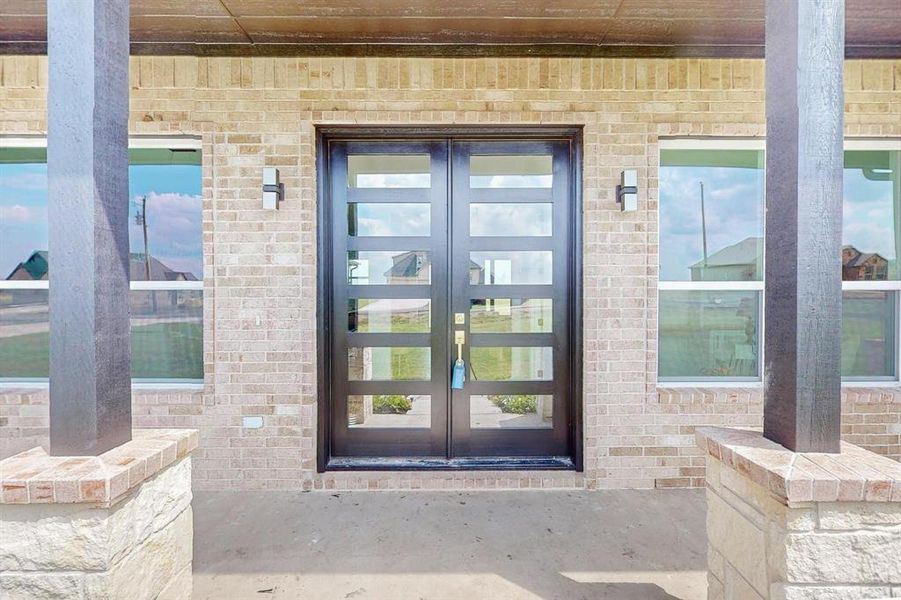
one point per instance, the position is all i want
(510, 274)
(389, 361)
(511, 315)
(511, 411)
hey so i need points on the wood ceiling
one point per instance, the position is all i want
(459, 27)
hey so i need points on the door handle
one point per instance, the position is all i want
(458, 376)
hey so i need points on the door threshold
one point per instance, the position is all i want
(500, 463)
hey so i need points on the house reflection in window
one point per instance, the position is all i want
(863, 266)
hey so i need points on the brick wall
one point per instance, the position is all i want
(871, 417)
(25, 414)
(260, 266)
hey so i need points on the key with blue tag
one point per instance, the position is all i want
(458, 376)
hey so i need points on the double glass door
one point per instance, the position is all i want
(443, 249)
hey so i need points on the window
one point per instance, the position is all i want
(711, 261)
(871, 247)
(711, 264)
(166, 298)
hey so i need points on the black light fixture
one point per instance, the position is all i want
(273, 190)
(627, 190)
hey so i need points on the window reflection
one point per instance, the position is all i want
(24, 333)
(388, 364)
(166, 334)
(385, 315)
(165, 242)
(511, 315)
(388, 219)
(527, 267)
(711, 215)
(869, 323)
(510, 219)
(389, 410)
(522, 363)
(142, 267)
(164, 210)
(871, 225)
(366, 267)
(165, 215)
(511, 411)
(388, 170)
(23, 213)
(511, 171)
(708, 334)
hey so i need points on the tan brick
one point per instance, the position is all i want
(262, 110)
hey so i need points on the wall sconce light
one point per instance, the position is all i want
(273, 190)
(627, 190)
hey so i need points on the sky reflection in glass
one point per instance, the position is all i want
(733, 184)
(173, 212)
(871, 219)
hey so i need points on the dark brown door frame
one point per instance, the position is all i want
(325, 302)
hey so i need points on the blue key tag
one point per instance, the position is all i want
(459, 374)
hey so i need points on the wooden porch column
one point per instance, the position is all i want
(804, 159)
(87, 165)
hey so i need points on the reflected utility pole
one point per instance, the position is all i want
(141, 219)
(703, 226)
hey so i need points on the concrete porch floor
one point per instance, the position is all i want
(623, 545)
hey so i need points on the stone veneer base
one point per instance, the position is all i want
(799, 526)
(135, 543)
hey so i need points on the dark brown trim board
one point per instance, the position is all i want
(542, 50)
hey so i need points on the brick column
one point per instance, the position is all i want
(118, 525)
(783, 525)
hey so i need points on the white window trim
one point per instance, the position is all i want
(177, 142)
(8, 384)
(711, 143)
(159, 286)
(714, 143)
(710, 286)
(165, 286)
(729, 384)
(134, 142)
(882, 286)
(183, 142)
(24, 285)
